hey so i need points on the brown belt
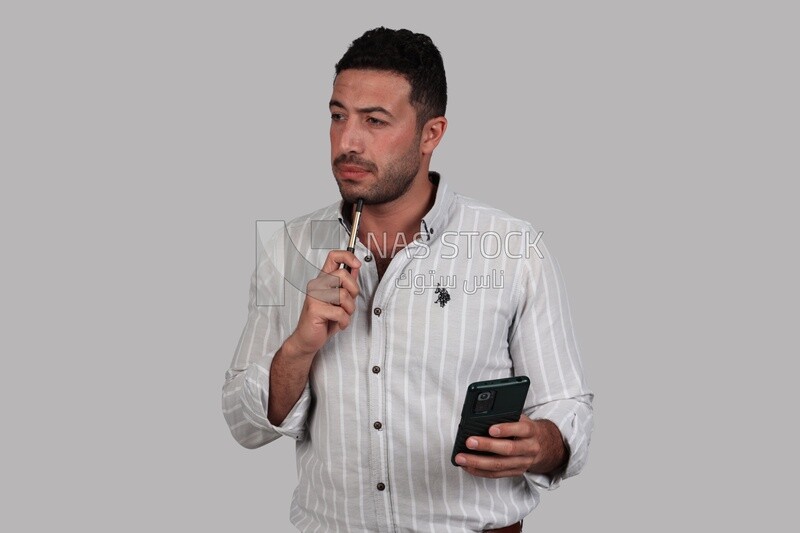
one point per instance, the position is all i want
(513, 528)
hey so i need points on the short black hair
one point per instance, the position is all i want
(413, 56)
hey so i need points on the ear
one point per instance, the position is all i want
(432, 133)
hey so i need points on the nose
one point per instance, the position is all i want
(347, 136)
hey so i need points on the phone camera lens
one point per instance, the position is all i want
(484, 396)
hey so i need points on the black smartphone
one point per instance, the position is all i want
(488, 403)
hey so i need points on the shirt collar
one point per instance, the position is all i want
(431, 224)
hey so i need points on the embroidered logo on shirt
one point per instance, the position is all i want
(443, 296)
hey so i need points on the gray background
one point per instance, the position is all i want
(655, 145)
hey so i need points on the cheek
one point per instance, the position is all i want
(406, 143)
(334, 137)
(387, 148)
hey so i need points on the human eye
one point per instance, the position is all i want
(336, 117)
(375, 121)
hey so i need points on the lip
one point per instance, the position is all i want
(351, 171)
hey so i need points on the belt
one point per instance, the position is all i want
(513, 528)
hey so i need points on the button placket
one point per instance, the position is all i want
(376, 390)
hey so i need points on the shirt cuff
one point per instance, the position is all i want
(256, 401)
(574, 420)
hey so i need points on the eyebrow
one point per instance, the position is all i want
(363, 110)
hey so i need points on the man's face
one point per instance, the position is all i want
(375, 142)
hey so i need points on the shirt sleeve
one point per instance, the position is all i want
(543, 346)
(245, 394)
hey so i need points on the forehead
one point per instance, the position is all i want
(363, 88)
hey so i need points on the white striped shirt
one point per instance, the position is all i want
(405, 362)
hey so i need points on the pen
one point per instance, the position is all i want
(351, 245)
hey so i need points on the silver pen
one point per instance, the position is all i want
(351, 245)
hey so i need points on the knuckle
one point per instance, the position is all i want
(327, 297)
(312, 297)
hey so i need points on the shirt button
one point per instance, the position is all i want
(376, 369)
(377, 311)
(381, 486)
(377, 425)
(367, 258)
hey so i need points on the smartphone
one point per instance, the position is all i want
(488, 403)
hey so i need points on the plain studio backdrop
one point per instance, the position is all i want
(655, 145)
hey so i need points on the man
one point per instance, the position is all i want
(368, 369)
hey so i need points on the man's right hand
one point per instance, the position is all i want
(329, 304)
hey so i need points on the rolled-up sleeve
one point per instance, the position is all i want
(574, 419)
(543, 346)
(245, 393)
(245, 398)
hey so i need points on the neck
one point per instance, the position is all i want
(396, 223)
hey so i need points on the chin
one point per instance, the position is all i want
(349, 193)
(350, 198)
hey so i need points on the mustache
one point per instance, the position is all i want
(352, 159)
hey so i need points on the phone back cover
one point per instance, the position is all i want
(509, 401)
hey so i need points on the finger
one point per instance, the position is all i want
(334, 315)
(348, 281)
(492, 463)
(328, 296)
(508, 447)
(336, 279)
(337, 257)
(320, 289)
(522, 429)
(346, 302)
(343, 322)
(333, 297)
(354, 272)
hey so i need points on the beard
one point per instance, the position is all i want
(390, 184)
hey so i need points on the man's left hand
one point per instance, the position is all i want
(534, 446)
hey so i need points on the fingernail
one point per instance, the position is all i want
(494, 432)
(472, 443)
(460, 460)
